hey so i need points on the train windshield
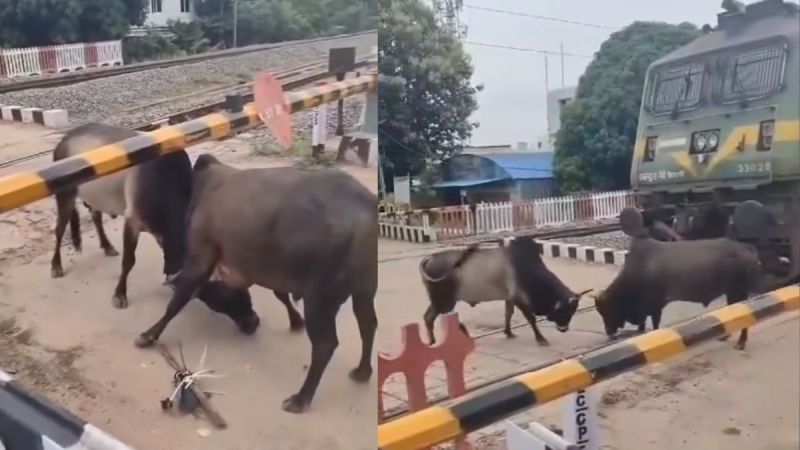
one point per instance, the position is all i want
(751, 75)
(676, 88)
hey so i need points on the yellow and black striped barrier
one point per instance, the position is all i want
(438, 424)
(25, 187)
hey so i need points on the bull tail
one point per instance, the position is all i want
(465, 255)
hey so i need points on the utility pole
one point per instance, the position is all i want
(235, 21)
(562, 64)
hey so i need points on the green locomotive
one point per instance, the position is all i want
(719, 133)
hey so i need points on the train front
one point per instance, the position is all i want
(719, 116)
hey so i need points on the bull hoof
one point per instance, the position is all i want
(361, 375)
(78, 247)
(250, 325)
(543, 342)
(295, 405)
(120, 301)
(144, 341)
(56, 272)
(111, 251)
(723, 338)
(510, 334)
(739, 346)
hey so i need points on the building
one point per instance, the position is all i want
(557, 99)
(159, 12)
(495, 174)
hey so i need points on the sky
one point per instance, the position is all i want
(512, 106)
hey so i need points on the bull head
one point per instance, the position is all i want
(565, 309)
(611, 322)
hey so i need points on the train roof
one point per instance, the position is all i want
(760, 20)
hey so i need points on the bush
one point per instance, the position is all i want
(153, 45)
(188, 37)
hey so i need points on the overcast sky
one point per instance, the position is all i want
(512, 104)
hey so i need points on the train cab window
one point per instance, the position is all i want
(676, 88)
(753, 74)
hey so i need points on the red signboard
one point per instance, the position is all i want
(273, 109)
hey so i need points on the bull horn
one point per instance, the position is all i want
(581, 294)
(427, 277)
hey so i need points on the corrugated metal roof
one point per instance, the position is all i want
(523, 165)
(466, 183)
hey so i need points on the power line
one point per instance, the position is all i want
(531, 50)
(534, 16)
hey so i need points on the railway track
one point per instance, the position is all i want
(293, 78)
(587, 230)
(78, 77)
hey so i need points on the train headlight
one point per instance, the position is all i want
(650, 148)
(700, 142)
(713, 140)
(765, 133)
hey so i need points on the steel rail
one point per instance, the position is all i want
(199, 111)
(79, 77)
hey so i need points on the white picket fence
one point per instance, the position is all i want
(494, 217)
(501, 217)
(32, 61)
(454, 222)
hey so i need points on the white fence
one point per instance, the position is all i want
(494, 217)
(454, 222)
(33, 61)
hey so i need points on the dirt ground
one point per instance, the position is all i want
(63, 339)
(713, 398)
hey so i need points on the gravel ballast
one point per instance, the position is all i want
(106, 99)
(615, 239)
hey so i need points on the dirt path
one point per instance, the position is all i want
(63, 339)
(718, 399)
(713, 397)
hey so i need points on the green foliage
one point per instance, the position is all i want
(425, 93)
(153, 45)
(595, 143)
(264, 21)
(26, 23)
(188, 37)
(45, 22)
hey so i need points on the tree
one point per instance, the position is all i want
(426, 96)
(26, 23)
(263, 21)
(594, 145)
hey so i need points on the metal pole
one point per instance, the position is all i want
(340, 109)
(235, 21)
(562, 64)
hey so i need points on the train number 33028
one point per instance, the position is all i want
(754, 167)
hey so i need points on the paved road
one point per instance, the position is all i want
(65, 340)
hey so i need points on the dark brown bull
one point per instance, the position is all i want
(152, 197)
(309, 232)
(656, 273)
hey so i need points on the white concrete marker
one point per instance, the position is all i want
(580, 428)
(319, 125)
(56, 118)
(580, 420)
(27, 114)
